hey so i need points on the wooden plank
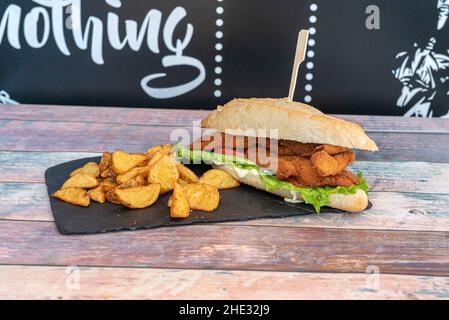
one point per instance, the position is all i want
(179, 117)
(423, 177)
(41, 282)
(81, 137)
(395, 146)
(28, 167)
(111, 115)
(94, 137)
(390, 211)
(230, 247)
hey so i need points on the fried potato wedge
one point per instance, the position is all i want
(162, 148)
(139, 197)
(138, 181)
(153, 150)
(155, 158)
(91, 169)
(182, 182)
(112, 197)
(219, 179)
(97, 194)
(108, 185)
(202, 197)
(107, 173)
(105, 162)
(122, 161)
(186, 174)
(76, 196)
(180, 204)
(83, 181)
(164, 172)
(137, 171)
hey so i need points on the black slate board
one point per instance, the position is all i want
(243, 203)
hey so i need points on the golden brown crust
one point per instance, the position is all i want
(293, 120)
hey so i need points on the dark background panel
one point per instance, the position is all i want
(352, 69)
(354, 64)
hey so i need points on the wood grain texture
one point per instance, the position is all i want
(82, 137)
(179, 117)
(16, 166)
(27, 282)
(406, 232)
(390, 211)
(111, 115)
(18, 135)
(230, 247)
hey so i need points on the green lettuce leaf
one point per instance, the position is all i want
(318, 197)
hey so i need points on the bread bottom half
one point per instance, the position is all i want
(348, 202)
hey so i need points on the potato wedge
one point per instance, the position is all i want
(164, 148)
(76, 196)
(139, 197)
(83, 181)
(112, 197)
(91, 169)
(202, 197)
(107, 173)
(186, 174)
(219, 179)
(180, 204)
(97, 194)
(167, 148)
(155, 158)
(108, 185)
(153, 150)
(164, 172)
(182, 182)
(122, 162)
(106, 161)
(138, 181)
(137, 171)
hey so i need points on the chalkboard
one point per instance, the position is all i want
(364, 57)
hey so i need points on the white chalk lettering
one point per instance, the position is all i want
(89, 33)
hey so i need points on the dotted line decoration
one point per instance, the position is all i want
(218, 70)
(313, 8)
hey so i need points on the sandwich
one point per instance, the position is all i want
(289, 149)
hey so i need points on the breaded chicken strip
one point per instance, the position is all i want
(344, 179)
(304, 174)
(327, 165)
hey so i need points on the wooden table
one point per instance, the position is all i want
(397, 249)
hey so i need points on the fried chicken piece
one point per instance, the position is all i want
(298, 148)
(299, 167)
(327, 165)
(303, 164)
(301, 171)
(344, 179)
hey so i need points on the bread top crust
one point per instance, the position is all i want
(292, 120)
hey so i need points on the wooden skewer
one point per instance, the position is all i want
(301, 48)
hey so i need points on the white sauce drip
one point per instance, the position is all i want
(294, 198)
(241, 173)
